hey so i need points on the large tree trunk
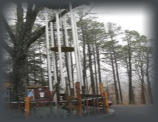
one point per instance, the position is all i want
(91, 70)
(98, 62)
(84, 63)
(95, 69)
(117, 74)
(131, 93)
(19, 74)
(84, 68)
(114, 77)
(21, 40)
(143, 100)
(148, 80)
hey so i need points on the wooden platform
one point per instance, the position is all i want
(63, 49)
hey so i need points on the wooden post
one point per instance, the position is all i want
(105, 98)
(79, 104)
(18, 102)
(87, 104)
(97, 104)
(106, 102)
(27, 106)
(101, 88)
(94, 110)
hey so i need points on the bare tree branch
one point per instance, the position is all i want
(19, 24)
(30, 19)
(8, 29)
(6, 47)
(35, 35)
(31, 16)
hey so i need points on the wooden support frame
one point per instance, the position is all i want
(48, 53)
(79, 105)
(27, 106)
(105, 98)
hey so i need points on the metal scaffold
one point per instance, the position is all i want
(48, 54)
(64, 69)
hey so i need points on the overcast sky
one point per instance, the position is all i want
(133, 17)
(137, 17)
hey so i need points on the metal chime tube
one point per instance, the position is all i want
(53, 54)
(48, 54)
(78, 52)
(96, 67)
(59, 48)
(75, 45)
(68, 53)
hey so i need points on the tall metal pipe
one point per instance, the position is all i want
(67, 44)
(48, 53)
(53, 54)
(59, 49)
(78, 52)
(68, 53)
(75, 43)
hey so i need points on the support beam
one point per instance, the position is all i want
(68, 53)
(59, 49)
(53, 61)
(79, 105)
(78, 53)
(75, 39)
(53, 54)
(48, 53)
